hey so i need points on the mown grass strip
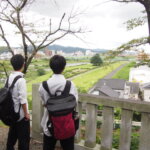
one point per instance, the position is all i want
(124, 72)
(86, 81)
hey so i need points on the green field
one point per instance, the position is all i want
(68, 73)
(124, 72)
(86, 81)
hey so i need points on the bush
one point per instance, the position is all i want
(96, 60)
(41, 72)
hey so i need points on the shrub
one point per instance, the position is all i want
(41, 72)
(96, 60)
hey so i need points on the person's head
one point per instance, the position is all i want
(17, 62)
(57, 63)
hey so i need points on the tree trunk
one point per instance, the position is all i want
(26, 58)
(147, 8)
(148, 16)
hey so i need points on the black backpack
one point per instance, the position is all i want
(61, 108)
(7, 113)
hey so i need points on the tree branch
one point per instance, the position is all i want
(127, 46)
(6, 41)
(2, 64)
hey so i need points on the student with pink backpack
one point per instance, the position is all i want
(59, 98)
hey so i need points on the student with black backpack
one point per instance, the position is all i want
(59, 98)
(20, 130)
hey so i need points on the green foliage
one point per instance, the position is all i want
(135, 22)
(127, 46)
(136, 116)
(96, 60)
(41, 72)
(4, 71)
(134, 139)
(124, 72)
(71, 71)
(117, 113)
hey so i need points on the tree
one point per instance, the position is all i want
(96, 60)
(13, 12)
(140, 21)
(131, 45)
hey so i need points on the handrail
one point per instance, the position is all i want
(128, 106)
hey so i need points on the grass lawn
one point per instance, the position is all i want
(124, 72)
(68, 72)
(86, 81)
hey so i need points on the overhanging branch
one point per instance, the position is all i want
(5, 39)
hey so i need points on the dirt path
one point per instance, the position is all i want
(34, 145)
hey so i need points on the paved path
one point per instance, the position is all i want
(110, 75)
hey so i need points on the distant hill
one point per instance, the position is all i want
(69, 49)
(66, 49)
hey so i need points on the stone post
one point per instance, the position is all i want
(37, 112)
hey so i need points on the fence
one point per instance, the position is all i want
(109, 104)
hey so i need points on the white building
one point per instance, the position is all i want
(89, 53)
(117, 88)
(140, 74)
(18, 51)
(5, 55)
(146, 91)
(131, 90)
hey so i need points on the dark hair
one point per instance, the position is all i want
(17, 62)
(57, 63)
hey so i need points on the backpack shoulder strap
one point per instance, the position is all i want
(67, 87)
(15, 80)
(6, 84)
(45, 86)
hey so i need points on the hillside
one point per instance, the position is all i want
(66, 49)
(69, 49)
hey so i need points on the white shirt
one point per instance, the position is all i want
(19, 92)
(56, 82)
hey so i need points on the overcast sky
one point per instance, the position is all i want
(102, 17)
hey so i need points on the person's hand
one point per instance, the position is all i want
(27, 116)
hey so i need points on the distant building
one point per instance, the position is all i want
(143, 56)
(78, 53)
(140, 74)
(146, 91)
(18, 51)
(40, 54)
(89, 53)
(5, 55)
(117, 88)
(131, 90)
(110, 87)
(49, 53)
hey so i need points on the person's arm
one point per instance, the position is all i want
(26, 114)
(23, 97)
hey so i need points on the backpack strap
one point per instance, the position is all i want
(67, 88)
(15, 80)
(6, 84)
(45, 86)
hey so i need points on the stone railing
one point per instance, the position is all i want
(109, 104)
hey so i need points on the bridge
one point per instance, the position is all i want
(90, 103)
